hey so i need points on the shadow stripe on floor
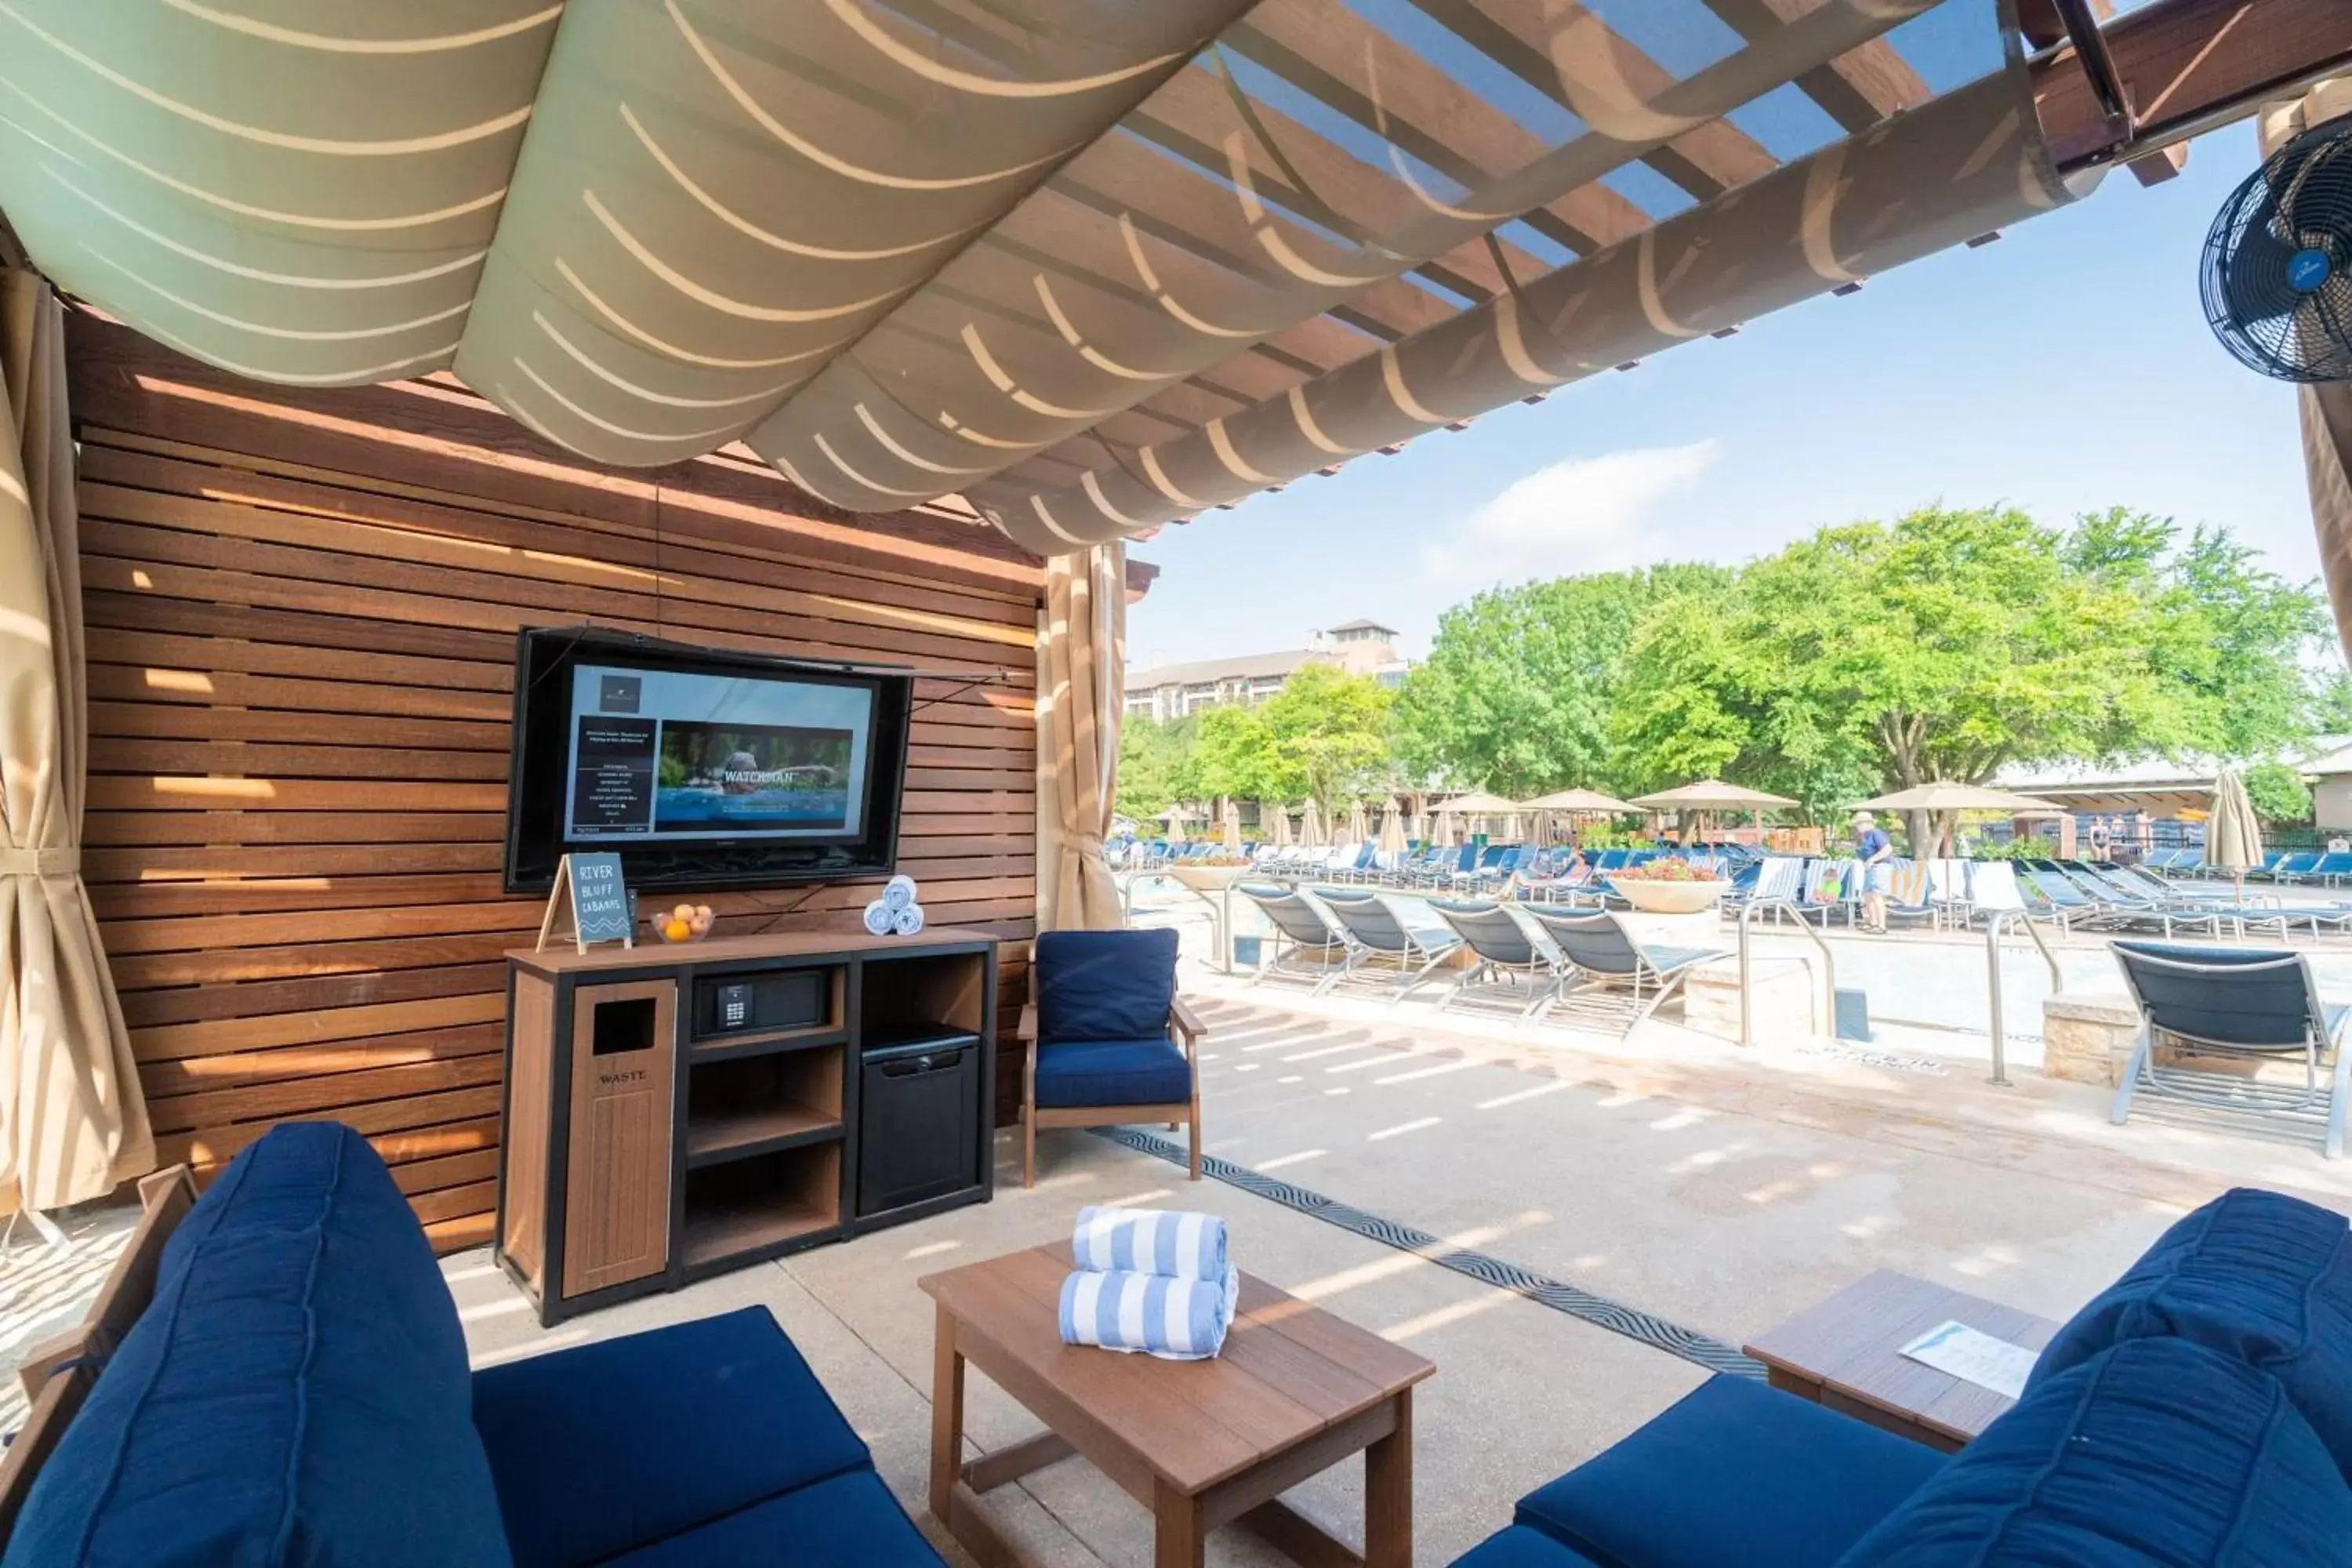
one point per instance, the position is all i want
(1645, 1328)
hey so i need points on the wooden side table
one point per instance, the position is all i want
(1200, 1443)
(1846, 1353)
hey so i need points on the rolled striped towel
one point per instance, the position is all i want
(908, 922)
(1175, 1320)
(898, 892)
(1171, 1243)
(880, 918)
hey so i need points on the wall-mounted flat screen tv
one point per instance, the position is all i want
(703, 767)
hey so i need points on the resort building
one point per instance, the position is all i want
(1164, 691)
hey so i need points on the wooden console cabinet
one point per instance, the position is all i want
(659, 1129)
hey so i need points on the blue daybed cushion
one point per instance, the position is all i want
(2258, 1277)
(2155, 1454)
(1735, 1472)
(1520, 1547)
(1105, 984)
(849, 1521)
(297, 1393)
(1072, 1073)
(605, 1447)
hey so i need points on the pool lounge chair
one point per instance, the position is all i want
(2234, 1002)
(1618, 981)
(1378, 940)
(1307, 945)
(1513, 969)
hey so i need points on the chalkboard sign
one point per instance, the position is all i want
(591, 889)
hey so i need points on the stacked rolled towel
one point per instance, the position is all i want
(896, 912)
(1152, 1281)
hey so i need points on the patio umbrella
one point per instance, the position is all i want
(1710, 795)
(2233, 839)
(1477, 803)
(1940, 796)
(1232, 825)
(1392, 830)
(1274, 821)
(1358, 828)
(1590, 800)
(1311, 825)
(1442, 833)
(1420, 830)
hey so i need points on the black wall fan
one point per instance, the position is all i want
(2277, 269)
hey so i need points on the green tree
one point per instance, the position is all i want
(1939, 647)
(1159, 765)
(2278, 792)
(1517, 691)
(1331, 734)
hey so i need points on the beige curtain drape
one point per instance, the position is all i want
(1081, 659)
(72, 1122)
(2327, 409)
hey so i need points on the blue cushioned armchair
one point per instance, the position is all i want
(1103, 1038)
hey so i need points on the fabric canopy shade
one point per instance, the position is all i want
(1092, 266)
(1710, 795)
(1579, 800)
(1392, 839)
(2233, 839)
(1945, 795)
(1310, 825)
(1274, 823)
(1230, 828)
(72, 1121)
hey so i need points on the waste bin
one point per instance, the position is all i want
(918, 1115)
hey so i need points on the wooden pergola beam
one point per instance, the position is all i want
(2188, 66)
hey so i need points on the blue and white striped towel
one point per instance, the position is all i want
(1175, 1320)
(1177, 1245)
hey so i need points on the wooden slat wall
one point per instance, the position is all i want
(300, 612)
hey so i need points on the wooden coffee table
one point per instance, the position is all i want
(1846, 1353)
(1200, 1443)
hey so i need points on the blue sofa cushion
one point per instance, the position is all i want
(849, 1521)
(1072, 1073)
(603, 1447)
(1105, 984)
(2261, 1277)
(2155, 1454)
(296, 1392)
(1520, 1547)
(1735, 1472)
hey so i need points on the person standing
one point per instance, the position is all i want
(2102, 838)
(1876, 851)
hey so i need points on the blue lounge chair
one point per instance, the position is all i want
(1378, 940)
(1307, 944)
(1512, 966)
(1619, 981)
(2234, 1002)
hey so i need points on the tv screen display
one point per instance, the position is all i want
(701, 766)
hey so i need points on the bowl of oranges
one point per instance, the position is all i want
(682, 922)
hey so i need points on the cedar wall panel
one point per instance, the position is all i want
(302, 610)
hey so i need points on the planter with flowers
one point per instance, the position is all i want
(1671, 885)
(1210, 873)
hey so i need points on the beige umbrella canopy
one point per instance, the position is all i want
(1579, 800)
(1233, 826)
(1444, 833)
(1420, 828)
(1946, 795)
(1274, 823)
(1392, 839)
(1710, 795)
(1477, 803)
(2233, 839)
(1311, 825)
(1358, 829)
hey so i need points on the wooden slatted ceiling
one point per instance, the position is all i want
(300, 632)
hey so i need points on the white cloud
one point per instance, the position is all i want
(1585, 515)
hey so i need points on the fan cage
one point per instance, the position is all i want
(2301, 199)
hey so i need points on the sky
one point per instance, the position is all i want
(2063, 369)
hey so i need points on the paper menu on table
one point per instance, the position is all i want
(1974, 1357)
